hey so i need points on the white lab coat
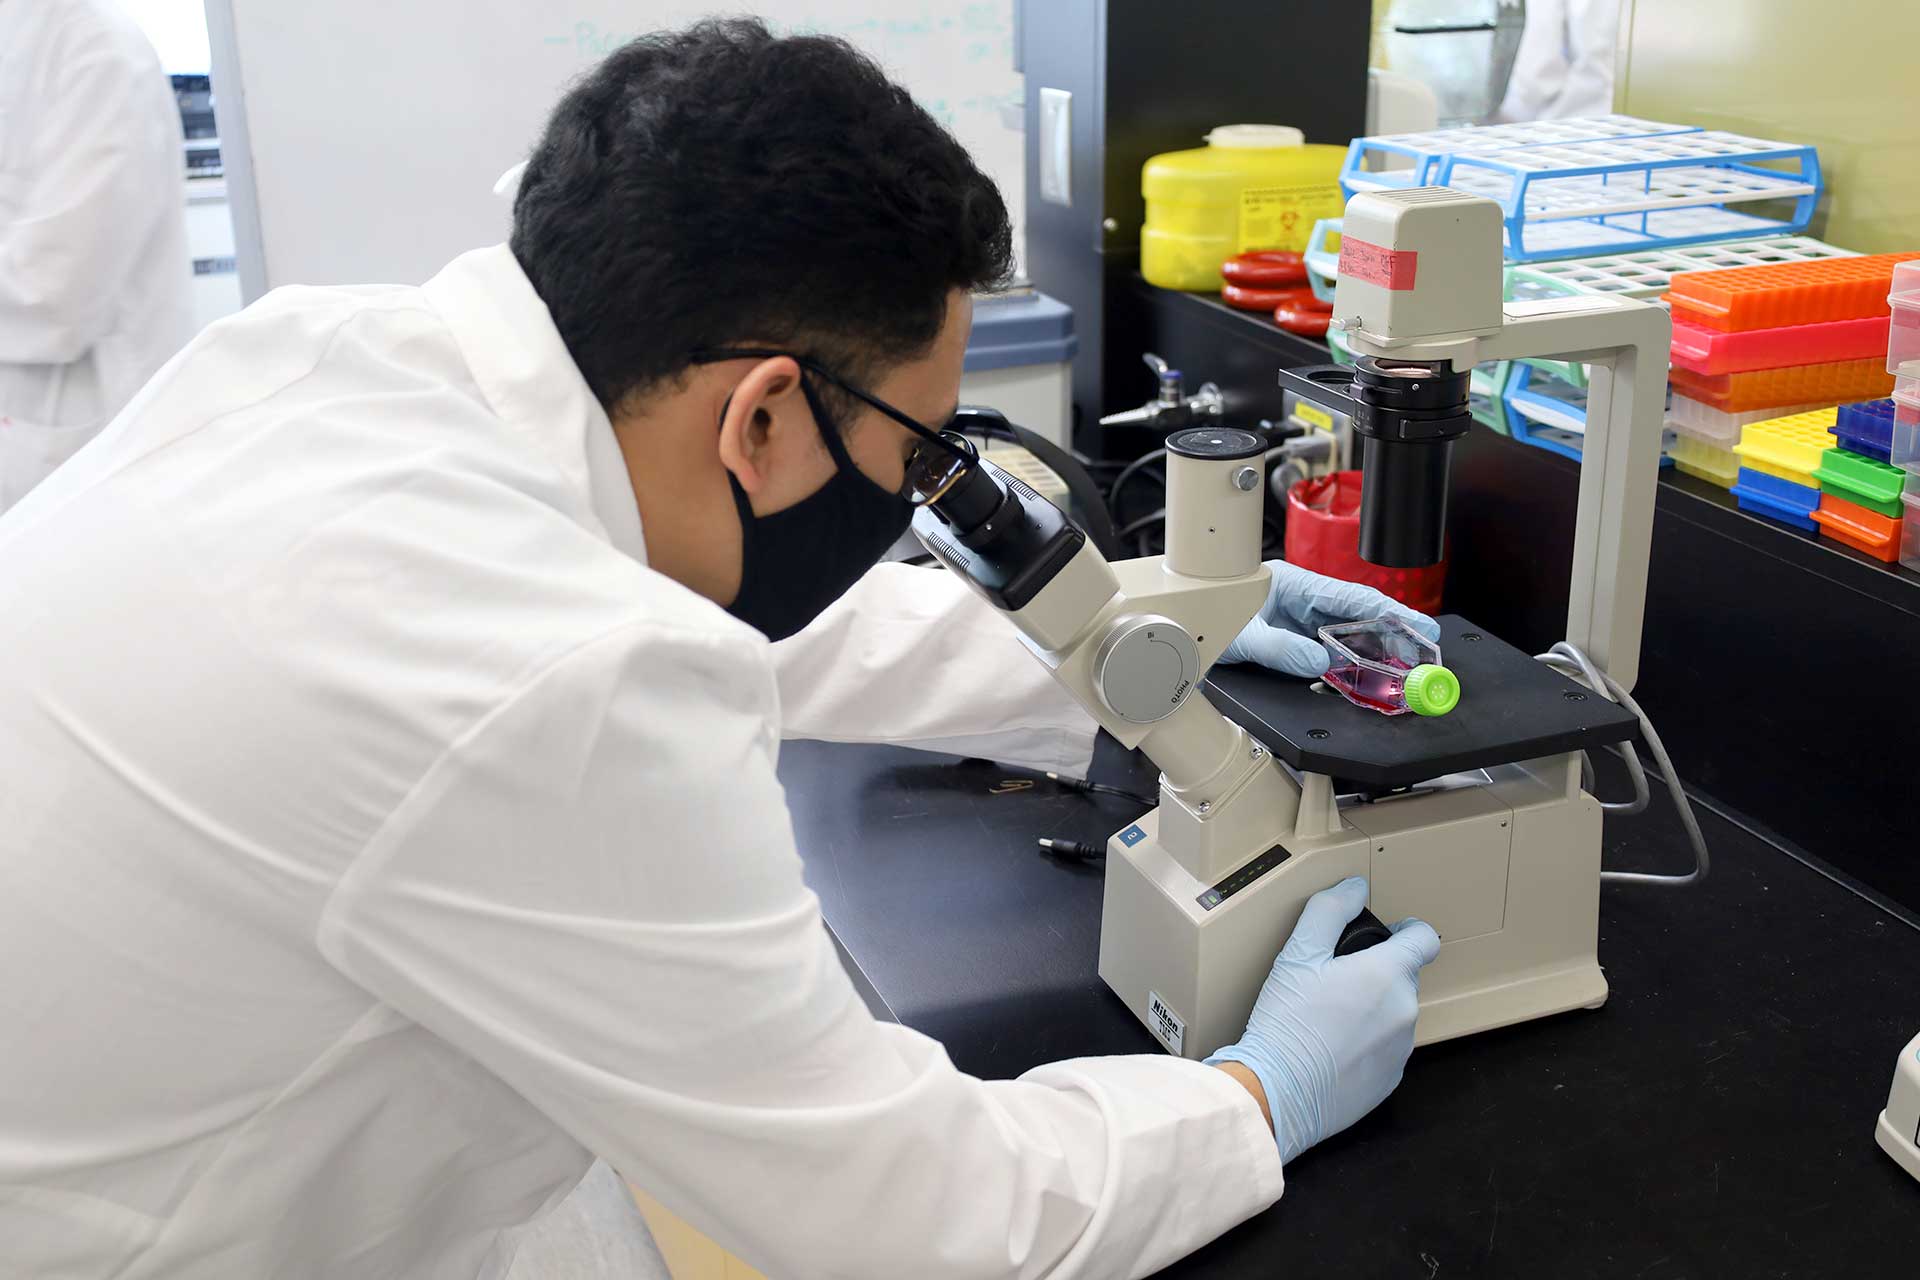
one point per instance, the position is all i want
(382, 837)
(95, 282)
(1564, 63)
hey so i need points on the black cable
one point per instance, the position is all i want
(1138, 529)
(1100, 788)
(1127, 473)
(1080, 485)
(1144, 522)
(1097, 520)
(1070, 850)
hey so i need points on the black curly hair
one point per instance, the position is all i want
(719, 185)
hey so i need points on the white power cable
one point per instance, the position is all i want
(1567, 655)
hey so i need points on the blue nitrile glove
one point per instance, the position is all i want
(1300, 602)
(1329, 1038)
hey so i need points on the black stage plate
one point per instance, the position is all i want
(1512, 707)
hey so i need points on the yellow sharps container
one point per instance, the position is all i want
(1253, 186)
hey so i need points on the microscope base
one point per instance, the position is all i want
(1505, 864)
(1898, 1128)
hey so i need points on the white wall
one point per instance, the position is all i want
(369, 133)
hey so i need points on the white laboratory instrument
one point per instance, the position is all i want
(1503, 861)
(1898, 1129)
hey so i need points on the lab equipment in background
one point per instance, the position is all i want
(1398, 103)
(1462, 50)
(1253, 186)
(1386, 161)
(1322, 257)
(1704, 422)
(1703, 460)
(1305, 315)
(1020, 360)
(1707, 353)
(1903, 441)
(1645, 273)
(1569, 188)
(1590, 197)
(1852, 525)
(216, 277)
(1262, 279)
(1200, 893)
(1910, 528)
(1781, 294)
(1778, 458)
(1171, 406)
(1898, 1128)
(1773, 339)
(1323, 534)
(1547, 411)
(1384, 665)
(1867, 428)
(1122, 97)
(1265, 269)
(1903, 339)
(1861, 481)
(1830, 383)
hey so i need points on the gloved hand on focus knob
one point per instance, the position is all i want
(1329, 1037)
(1300, 602)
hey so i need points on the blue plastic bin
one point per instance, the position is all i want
(1866, 428)
(1777, 499)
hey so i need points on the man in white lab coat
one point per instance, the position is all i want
(388, 723)
(94, 276)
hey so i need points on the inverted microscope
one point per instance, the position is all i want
(1270, 788)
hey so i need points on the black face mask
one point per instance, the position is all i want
(796, 562)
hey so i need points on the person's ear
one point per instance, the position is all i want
(764, 407)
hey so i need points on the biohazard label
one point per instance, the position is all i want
(1282, 217)
(1165, 1023)
(1385, 268)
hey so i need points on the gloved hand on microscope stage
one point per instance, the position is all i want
(1329, 1036)
(1300, 602)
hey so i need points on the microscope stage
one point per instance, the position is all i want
(1512, 708)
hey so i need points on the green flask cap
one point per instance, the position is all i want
(1431, 690)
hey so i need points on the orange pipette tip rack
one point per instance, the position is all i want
(1784, 293)
(1837, 383)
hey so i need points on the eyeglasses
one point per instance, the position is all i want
(937, 461)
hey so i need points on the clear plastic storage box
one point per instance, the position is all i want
(1903, 445)
(1704, 422)
(1903, 340)
(1910, 534)
(1705, 461)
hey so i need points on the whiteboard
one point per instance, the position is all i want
(362, 138)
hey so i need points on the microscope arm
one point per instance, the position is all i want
(1131, 642)
(1625, 343)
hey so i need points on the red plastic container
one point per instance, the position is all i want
(1323, 534)
(1708, 351)
(1248, 297)
(1265, 269)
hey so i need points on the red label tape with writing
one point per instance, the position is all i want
(1386, 268)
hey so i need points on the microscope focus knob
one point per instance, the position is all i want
(1146, 667)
